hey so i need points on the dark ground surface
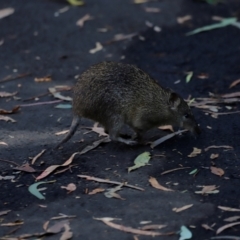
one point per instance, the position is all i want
(38, 42)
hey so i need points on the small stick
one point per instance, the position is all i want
(10, 78)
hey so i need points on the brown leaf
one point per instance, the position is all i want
(132, 230)
(50, 169)
(214, 146)
(214, 155)
(217, 171)
(16, 223)
(111, 192)
(6, 12)
(38, 156)
(82, 20)
(182, 208)
(6, 94)
(183, 19)
(4, 212)
(207, 227)
(153, 181)
(231, 95)
(14, 110)
(229, 209)
(57, 227)
(208, 190)
(25, 168)
(232, 219)
(7, 119)
(67, 234)
(153, 226)
(43, 79)
(70, 187)
(234, 83)
(62, 132)
(96, 190)
(98, 130)
(166, 127)
(152, 9)
(227, 226)
(63, 216)
(195, 152)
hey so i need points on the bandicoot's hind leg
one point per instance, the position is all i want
(72, 130)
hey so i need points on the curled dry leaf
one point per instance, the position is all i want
(217, 171)
(229, 209)
(99, 130)
(14, 110)
(6, 12)
(38, 156)
(111, 192)
(195, 152)
(6, 118)
(183, 19)
(43, 79)
(82, 20)
(70, 187)
(214, 146)
(57, 227)
(96, 190)
(227, 226)
(98, 47)
(3, 143)
(58, 95)
(153, 181)
(234, 83)
(182, 208)
(214, 155)
(67, 234)
(6, 94)
(50, 169)
(207, 227)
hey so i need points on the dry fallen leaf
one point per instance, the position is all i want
(6, 94)
(111, 192)
(153, 227)
(210, 189)
(25, 168)
(98, 47)
(182, 208)
(195, 152)
(132, 230)
(4, 212)
(234, 83)
(6, 12)
(70, 187)
(99, 130)
(57, 227)
(14, 110)
(217, 171)
(232, 219)
(3, 143)
(152, 9)
(62, 132)
(153, 181)
(96, 190)
(229, 209)
(58, 95)
(43, 79)
(173, 170)
(207, 227)
(10, 224)
(50, 169)
(82, 20)
(38, 156)
(183, 19)
(121, 37)
(140, 1)
(67, 234)
(214, 146)
(227, 226)
(214, 155)
(6, 118)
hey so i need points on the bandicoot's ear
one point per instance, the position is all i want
(174, 101)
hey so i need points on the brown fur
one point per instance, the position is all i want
(115, 94)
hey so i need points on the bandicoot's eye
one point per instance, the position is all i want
(186, 115)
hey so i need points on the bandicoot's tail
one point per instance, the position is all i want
(72, 130)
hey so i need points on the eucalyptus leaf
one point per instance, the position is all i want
(64, 106)
(185, 233)
(189, 77)
(193, 171)
(34, 191)
(140, 161)
(225, 22)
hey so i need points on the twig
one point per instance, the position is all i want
(40, 103)
(9, 162)
(172, 170)
(10, 77)
(108, 181)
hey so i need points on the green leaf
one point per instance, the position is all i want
(140, 161)
(193, 171)
(34, 191)
(225, 22)
(185, 233)
(64, 106)
(189, 77)
(76, 2)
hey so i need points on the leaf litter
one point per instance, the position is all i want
(217, 171)
(209, 189)
(71, 187)
(111, 192)
(82, 20)
(177, 210)
(5, 12)
(140, 161)
(154, 183)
